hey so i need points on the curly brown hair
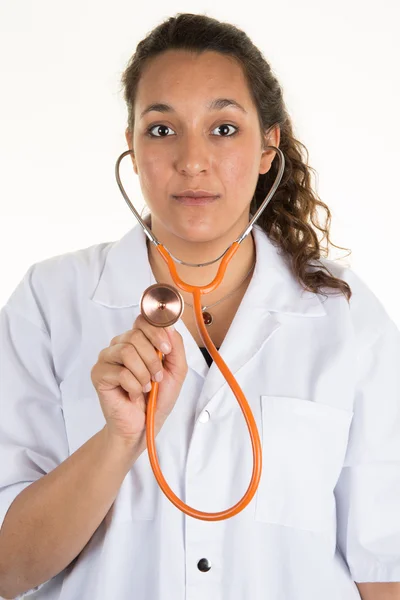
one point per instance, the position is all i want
(292, 213)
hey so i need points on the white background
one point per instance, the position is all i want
(63, 117)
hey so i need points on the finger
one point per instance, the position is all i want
(145, 347)
(117, 375)
(140, 357)
(156, 335)
(117, 355)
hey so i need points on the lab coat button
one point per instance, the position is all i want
(204, 565)
(204, 417)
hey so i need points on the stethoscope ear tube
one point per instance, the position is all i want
(241, 237)
(162, 305)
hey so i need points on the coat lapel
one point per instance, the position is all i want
(272, 290)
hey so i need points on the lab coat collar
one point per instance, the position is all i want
(272, 290)
(127, 273)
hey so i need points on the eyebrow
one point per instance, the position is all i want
(216, 104)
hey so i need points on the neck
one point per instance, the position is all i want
(236, 270)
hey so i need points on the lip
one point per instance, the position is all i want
(193, 201)
(199, 193)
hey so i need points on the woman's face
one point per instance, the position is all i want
(190, 146)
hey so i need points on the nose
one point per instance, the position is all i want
(193, 154)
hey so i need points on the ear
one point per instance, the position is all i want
(129, 140)
(272, 138)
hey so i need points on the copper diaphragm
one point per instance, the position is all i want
(161, 305)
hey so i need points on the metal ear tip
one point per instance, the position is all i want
(161, 305)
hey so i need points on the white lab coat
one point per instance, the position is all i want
(322, 380)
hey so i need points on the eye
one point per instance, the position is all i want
(225, 125)
(160, 126)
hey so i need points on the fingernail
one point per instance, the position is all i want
(171, 328)
(147, 388)
(158, 376)
(165, 347)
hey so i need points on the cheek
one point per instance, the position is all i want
(238, 170)
(151, 171)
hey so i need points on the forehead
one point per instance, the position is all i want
(177, 76)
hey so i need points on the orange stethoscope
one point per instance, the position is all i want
(162, 305)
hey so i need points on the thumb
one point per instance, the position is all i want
(175, 361)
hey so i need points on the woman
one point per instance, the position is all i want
(83, 514)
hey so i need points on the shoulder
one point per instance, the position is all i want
(51, 284)
(368, 315)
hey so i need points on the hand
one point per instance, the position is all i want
(123, 373)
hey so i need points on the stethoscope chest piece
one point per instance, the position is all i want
(161, 305)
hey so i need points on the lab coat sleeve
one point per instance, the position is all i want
(32, 432)
(368, 490)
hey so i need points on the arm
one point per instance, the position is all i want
(368, 490)
(379, 591)
(39, 490)
(51, 520)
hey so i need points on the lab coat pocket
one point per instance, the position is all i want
(304, 445)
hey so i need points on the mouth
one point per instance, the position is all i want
(191, 201)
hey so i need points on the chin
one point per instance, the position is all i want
(197, 230)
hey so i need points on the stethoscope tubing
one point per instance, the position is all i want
(197, 292)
